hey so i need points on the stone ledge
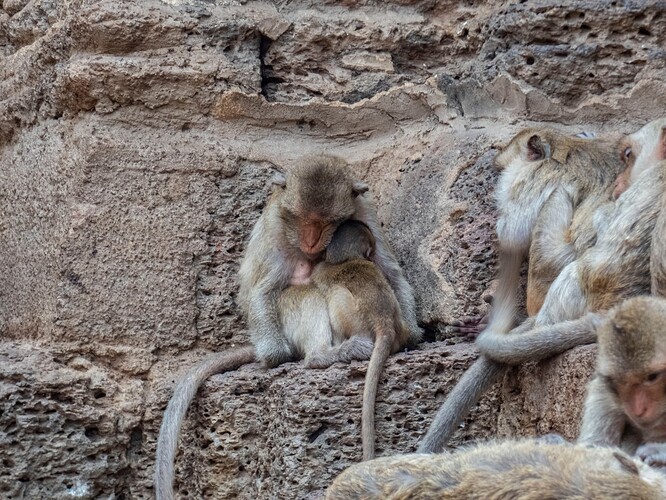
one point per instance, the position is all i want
(287, 432)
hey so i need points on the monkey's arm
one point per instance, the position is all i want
(539, 343)
(551, 248)
(466, 393)
(271, 344)
(604, 420)
(262, 276)
(385, 259)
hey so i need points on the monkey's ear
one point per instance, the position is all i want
(537, 149)
(279, 179)
(359, 187)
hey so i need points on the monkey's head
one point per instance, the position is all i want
(535, 145)
(644, 149)
(632, 360)
(352, 240)
(317, 195)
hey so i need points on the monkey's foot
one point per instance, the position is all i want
(471, 326)
(356, 348)
(653, 454)
(321, 360)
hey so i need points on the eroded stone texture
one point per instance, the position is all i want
(136, 141)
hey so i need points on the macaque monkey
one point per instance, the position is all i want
(360, 303)
(549, 187)
(287, 242)
(616, 267)
(516, 470)
(626, 399)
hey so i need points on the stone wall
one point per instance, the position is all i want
(136, 139)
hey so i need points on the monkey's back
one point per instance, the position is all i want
(618, 266)
(372, 296)
(519, 470)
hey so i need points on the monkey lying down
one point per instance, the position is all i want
(319, 282)
(516, 470)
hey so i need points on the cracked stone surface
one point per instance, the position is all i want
(136, 141)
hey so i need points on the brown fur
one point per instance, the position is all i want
(516, 470)
(297, 224)
(626, 400)
(361, 302)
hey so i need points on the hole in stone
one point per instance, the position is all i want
(92, 433)
(313, 436)
(644, 32)
(529, 60)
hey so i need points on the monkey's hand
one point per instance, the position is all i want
(273, 351)
(653, 454)
(470, 326)
(356, 348)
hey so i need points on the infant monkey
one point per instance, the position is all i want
(361, 303)
(519, 470)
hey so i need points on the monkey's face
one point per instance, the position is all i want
(645, 148)
(643, 398)
(315, 199)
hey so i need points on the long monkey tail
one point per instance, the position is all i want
(187, 387)
(484, 372)
(459, 402)
(380, 354)
(539, 343)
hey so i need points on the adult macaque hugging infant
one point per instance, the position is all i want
(287, 311)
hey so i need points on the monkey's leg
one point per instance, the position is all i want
(459, 402)
(272, 346)
(539, 343)
(351, 342)
(604, 420)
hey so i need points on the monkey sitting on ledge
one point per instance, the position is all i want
(307, 205)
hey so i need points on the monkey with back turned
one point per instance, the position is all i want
(361, 304)
(549, 187)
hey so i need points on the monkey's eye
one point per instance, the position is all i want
(652, 377)
(626, 154)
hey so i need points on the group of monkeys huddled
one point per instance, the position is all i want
(319, 283)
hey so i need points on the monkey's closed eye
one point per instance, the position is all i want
(652, 377)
